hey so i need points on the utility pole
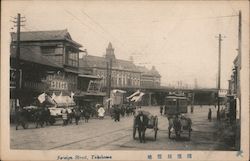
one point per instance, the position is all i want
(238, 73)
(109, 66)
(107, 79)
(219, 75)
(17, 65)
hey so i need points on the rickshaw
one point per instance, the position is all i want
(175, 107)
(144, 120)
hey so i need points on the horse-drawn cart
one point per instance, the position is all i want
(144, 120)
(175, 107)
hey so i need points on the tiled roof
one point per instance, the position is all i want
(143, 69)
(100, 62)
(31, 55)
(45, 35)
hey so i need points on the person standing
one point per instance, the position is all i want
(64, 116)
(101, 112)
(161, 110)
(209, 115)
(192, 108)
(77, 114)
(116, 113)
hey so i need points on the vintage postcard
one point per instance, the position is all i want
(124, 80)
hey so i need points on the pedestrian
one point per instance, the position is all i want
(161, 110)
(192, 108)
(77, 114)
(166, 109)
(46, 115)
(101, 112)
(116, 113)
(209, 115)
(64, 116)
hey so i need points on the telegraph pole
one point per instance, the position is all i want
(110, 81)
(238, 73)
(17, 65)
(219, 76)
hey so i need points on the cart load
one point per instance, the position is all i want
(151, 118)
(175, 107)
(144, 120)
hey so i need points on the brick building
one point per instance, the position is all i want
(124, 73)
(149, 78)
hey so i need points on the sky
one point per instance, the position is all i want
(178, 38)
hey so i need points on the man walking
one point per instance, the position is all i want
(209, 115)
(161, 109)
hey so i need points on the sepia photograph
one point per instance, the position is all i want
(124, 80)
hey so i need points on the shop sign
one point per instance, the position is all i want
(13, 78)
(58, 84)
(223, 92)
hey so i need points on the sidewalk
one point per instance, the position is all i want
(227, 133)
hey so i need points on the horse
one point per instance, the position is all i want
(39, 117)
(21, 117)
(179, 124)
(141, 122)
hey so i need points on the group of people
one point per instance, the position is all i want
(40, 116)
(122, 110)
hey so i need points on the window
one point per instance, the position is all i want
(94, 86)
(171, 102)
(183, 102)
(48, 49)
(72, 58)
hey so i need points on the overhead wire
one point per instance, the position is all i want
(105, 31)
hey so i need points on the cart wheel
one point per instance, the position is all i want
(177, 134)
(156, 133)
(189, 134)
(52, 121)
(134, 132)
(26, 125)
(169, 133)
(156, 127)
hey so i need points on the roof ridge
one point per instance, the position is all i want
(44, 31)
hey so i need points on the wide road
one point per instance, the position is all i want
(109, 135)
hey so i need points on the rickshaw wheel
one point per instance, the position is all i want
(177, 134)
(189, 134)
(134, 132)
(156, 127)
(169, 133)
(26, 125)
(155, 134)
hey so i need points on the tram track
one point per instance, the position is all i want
(85, 139)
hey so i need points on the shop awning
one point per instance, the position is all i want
(118, 91)
(89, 76)
(64, 101)
(71, 71)
(82, 94)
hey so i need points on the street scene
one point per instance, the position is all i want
(126, 76)
(205, 135)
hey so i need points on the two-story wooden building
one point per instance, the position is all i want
(49, 62)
